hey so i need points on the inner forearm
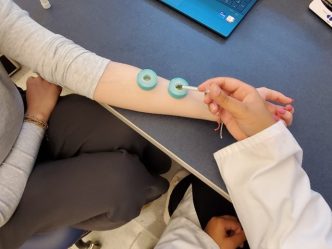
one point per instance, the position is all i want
(117, 87)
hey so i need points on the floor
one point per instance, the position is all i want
(142, 232)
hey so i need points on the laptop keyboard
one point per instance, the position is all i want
(237, 5)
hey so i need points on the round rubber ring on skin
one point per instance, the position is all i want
(147, 79)
(174, 91)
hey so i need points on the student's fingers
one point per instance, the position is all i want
(204, 86)
(274, 96)
(290, 108)
(274, 107)
(230, 86)
(214, 108)
(286, 116)
(225, 101)
(227, 84)
(31, 78)
(282, 112)
(207, 99)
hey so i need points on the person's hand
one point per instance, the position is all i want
(41, 98)
(243, 109)
(278, 104)
(226, 231)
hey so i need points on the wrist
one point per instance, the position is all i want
(36, 121)
(37, 115)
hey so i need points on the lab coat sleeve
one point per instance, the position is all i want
(271, 192)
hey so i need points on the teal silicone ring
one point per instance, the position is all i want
(176, 93)
(147, 79)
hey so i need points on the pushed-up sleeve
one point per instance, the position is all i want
(55, 58)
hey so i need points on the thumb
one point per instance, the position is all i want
(225, 101)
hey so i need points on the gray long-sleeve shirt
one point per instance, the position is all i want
(57, 59)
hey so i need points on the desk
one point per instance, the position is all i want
(280, 44)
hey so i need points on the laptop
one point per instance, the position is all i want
(221, 16)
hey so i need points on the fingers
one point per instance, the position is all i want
(214, 108)
(227, 93)
(32, 78)
(274, 96)
(224, 101)
(239, 89)
(205, 85)
(289, 108)
(35, 79)
(284, 115)
(282, 109)
(39, 79)
(229, 85)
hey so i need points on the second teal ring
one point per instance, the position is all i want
(174, 91)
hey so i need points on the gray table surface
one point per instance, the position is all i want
(280, 44)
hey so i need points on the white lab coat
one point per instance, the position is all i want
(271, 194)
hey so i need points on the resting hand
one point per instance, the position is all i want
(41, 98)
(243, 109)
(226, 231)
(282, 109)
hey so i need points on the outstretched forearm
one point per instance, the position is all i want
(63, 62)
(117, 87)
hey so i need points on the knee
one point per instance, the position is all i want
(134, 185)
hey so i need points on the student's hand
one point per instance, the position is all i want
(226, 231)
(278, 104)
(243, 109)
(41, 98)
